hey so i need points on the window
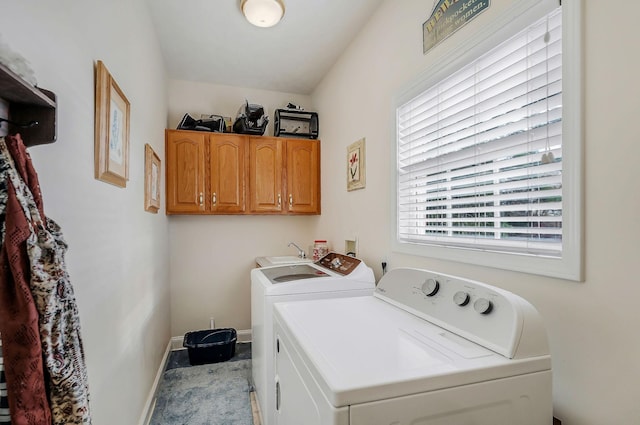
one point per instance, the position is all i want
(481, 156)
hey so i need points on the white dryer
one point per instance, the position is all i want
(334, 275)
(426, 348)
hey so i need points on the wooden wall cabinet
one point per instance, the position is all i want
(205, 172)
(220, 173)
(227, 179)
(284, 176)
(303, 176)
(185, 165)
(265, 175)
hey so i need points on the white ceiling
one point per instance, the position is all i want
(210, 41)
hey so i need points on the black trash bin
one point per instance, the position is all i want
(210, 345)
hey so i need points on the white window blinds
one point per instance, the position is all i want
(480, 153)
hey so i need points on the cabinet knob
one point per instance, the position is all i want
(279, 200)
(290, 200)
(214, 199)
(201, 198)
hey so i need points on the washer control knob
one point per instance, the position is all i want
(461, 298)
(483, 306)
(430, 287)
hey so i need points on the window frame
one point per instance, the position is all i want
(570, 265)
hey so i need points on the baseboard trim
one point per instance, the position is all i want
(150, 404)
(176, 342)
(244, 335)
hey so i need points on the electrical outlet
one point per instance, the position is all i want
(212, 323)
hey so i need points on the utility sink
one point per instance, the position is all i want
(287, 259)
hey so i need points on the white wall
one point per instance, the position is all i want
(592, 325)
(118, 253)
(212, 256)
(117, 256)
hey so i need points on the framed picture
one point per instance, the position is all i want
(111, 130)
(356, 171)
(151, 180)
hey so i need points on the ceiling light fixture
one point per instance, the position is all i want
(263, 13)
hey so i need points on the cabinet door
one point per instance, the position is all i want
(265, 176)
(227, 173)
(185, 159)
(303, 176)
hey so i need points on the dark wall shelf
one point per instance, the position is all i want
(28, 103)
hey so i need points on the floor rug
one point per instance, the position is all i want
(211, 394)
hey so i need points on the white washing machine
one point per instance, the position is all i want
(334, 275)
(424, 349)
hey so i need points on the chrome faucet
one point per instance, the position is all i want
(301, 252)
